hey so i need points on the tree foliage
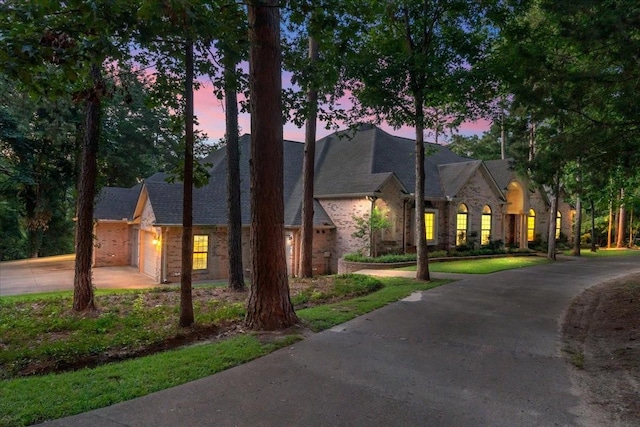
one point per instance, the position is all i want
(419, 65)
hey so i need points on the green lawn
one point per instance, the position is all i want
(34, 399)
(586, 252)
(482, 266)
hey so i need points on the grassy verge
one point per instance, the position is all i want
(482, 266)
(24, 401)
(586, 252)
(326, 316)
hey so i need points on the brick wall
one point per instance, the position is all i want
(112, 246)
(218, 258)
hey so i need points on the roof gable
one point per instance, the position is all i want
(357, 162)
(116, 204)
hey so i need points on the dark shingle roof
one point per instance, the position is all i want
(358, 163)
(115, 203)
(210, 201)
(502, 171)
(347, 164)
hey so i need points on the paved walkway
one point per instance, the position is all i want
(482, 351)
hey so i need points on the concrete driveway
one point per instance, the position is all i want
(483, 351)
(56, 274)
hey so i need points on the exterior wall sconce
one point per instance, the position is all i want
(155, 240)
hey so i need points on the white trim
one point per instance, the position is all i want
(436, 228)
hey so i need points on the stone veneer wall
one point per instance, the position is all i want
(541, 208)
(341, 212)
(568, 219)
(390, 202)
(476, 194)
(112, 247)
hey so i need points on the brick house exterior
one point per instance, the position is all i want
(355, 172)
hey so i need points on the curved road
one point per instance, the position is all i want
(481, 351)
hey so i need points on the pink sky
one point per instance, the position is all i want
(210, 113)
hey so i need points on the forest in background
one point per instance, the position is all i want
(563, 103)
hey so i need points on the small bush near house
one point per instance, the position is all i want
(389, 258)
(475, 252)
(495, 249)
(352, 285)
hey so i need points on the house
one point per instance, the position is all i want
(465, 200)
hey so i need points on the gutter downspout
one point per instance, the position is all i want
(404, 226)
(163, 255)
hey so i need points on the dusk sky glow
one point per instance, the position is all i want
(210, 113)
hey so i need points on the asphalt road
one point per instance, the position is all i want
(484, 351)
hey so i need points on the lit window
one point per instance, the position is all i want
(430, 225)
(200, 251)
(485, 226)
(461, 224)
(531, 226)
(558, 224)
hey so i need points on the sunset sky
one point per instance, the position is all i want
(210, 113)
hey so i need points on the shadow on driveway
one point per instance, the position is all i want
(56, 274)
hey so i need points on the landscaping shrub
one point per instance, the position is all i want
(389, 258)
(356, 284)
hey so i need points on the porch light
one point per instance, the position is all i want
(155, 240)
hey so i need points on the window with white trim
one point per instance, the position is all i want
(485, 226)
(531, 226)
(200, 251)
(462, 223)
(431, 226)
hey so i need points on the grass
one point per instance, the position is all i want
(29, 400)
(326, 316)
(42, 329)
(586, 252)
(25, 401)
(482, 266)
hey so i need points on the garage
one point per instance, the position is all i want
(149, 255)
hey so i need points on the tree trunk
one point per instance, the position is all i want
(630, 242)
(269, 306)
(609, 229)
(308, 172)
(422, 272)
(553, 215)
(593, 226)
(577, 228)
(34, 230)
(83, 298)
(234, 212)
(186, 300)
(622, 219)
(503, 139)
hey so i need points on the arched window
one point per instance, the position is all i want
(485, 226)
(462, 221)
(558, 224)
(531, 226)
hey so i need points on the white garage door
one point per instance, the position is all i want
(150, 255)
